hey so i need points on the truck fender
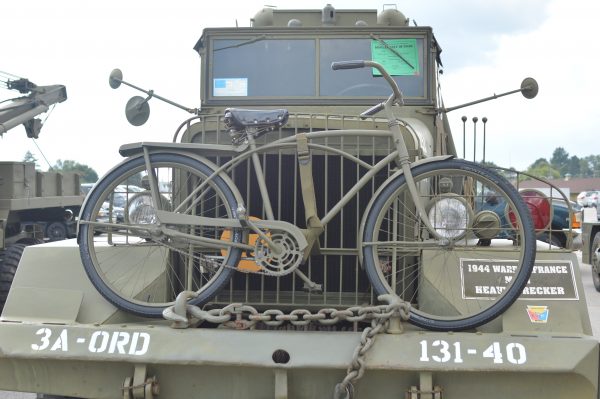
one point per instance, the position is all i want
(381, 188)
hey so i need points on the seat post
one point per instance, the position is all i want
(260, 177)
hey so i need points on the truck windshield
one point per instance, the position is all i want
(261, 67)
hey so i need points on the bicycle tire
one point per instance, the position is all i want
(433, 288)
(131, 277)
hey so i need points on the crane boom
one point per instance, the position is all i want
(23, 110)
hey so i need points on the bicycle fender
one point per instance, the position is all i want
(131, 149)
(174, 150)
(381, 188)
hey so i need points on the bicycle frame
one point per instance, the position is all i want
(252, 152)
(315, 225)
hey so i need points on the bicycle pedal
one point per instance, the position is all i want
(312, 287)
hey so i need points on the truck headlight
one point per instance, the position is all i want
(140, 209)
(450, 216)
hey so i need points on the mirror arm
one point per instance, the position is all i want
(116, 79)
(529, 89)
(151, 94)
(495, 96)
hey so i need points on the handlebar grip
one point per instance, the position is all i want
(347, 65)
(372, 111)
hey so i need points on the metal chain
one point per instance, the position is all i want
(241, 317)
(395, 308)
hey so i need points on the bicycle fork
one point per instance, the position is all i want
(404, 162)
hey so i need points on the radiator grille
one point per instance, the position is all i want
(337, 269)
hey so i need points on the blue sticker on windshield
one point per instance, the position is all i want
(230, 87)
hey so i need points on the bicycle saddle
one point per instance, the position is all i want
(239, 119)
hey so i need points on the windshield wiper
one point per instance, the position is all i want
(254, 40)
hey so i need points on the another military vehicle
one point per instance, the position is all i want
(319, 331)
(35, 207)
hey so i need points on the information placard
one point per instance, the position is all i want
(398, 56)
(486, 279)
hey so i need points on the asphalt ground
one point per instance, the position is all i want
(592, 297)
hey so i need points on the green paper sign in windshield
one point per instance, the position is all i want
(398, 56)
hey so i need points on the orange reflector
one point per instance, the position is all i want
(576, 220)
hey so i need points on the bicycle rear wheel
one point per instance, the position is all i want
(132, 262)
(476, 267)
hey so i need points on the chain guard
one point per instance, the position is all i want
(285, 262)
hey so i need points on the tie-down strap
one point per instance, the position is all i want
(313, 223)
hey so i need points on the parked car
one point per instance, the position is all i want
(553, 220)
(581, 198)
(591, 199)
(114, 209)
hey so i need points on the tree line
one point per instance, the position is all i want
(561, 165)
(88, 175)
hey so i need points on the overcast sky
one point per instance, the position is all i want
(488, 47)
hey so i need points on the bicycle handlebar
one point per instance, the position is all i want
(397, 97)
(347, 65)
(373, 110)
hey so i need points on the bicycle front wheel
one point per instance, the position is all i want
(136, 263)
(476, 263)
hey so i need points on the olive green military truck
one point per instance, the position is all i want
(35, 207)
(308, 233)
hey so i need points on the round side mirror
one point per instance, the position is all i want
(529, 88)
(115, 78)
(137, 111)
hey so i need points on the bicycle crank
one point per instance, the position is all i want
(281, 256)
